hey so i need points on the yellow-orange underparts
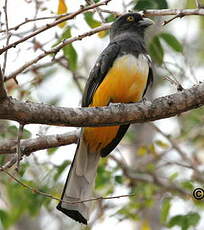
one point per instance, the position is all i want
(125, 82)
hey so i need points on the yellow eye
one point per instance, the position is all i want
(130, 18)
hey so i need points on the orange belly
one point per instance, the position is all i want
(125, 82)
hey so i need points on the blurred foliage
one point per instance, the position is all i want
(184, 221)
(150, 4)
(157, 49)
(93, 23)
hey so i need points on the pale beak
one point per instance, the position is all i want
(145, 22)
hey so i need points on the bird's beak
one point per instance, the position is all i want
(145, 22)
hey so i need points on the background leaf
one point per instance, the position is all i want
(150, 4)
(62, 9)
(156, 50)
(172, 41)
(69, 51)
(166, 205)
(185, 221)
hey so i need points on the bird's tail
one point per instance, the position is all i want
(79, 184)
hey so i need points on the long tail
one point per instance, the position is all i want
(79, 184)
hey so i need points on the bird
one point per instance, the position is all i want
(121, 74)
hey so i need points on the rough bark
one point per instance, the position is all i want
(162, 107)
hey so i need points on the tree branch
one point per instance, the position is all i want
(166, 12)
(40, 143)
(3, 93)
(163, 107)
(50, 25)
(29, 146)
(56, 49)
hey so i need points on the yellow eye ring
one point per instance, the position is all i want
(130, 18)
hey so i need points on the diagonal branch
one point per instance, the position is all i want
(50, 25)
(56, 49)
(162, 107)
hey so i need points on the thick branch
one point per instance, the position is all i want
(162, 12)
(163, 107)
(43, 142)
(166, 12)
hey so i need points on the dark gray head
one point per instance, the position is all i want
(131, 23)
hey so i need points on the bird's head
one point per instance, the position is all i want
(130, 23)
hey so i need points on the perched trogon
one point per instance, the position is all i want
(121, 74)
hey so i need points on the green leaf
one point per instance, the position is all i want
(162, 144)
(90, 20)
(119, 179)
(94, 23)
(142, 151)
(193, 218)
(61, 168)
(187, 185)
(2, 159)
(71, 55)
(110, 18)
(185, 221)
(50, 151)
(149, 4)
(12, 131)
(166, 205)
(4, 219)
(172, 41)
(156, 50)
(161, 4)
(173, 176)
(176, 221)
(69, 51)
(26, 134)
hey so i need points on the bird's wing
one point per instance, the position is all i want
(99, 71)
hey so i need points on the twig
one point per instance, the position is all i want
(199, 5)
(136, 176)
(3, 93)
(98, 10)
(28, 21)
(183, 155)
(116, 13)
(18, 147)
(43, 65)
(34, 190)
(173, 81)
(174, 145)
(74, 75)
(50, 25)
(56, 49)
(179, 15)
(8, 36)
